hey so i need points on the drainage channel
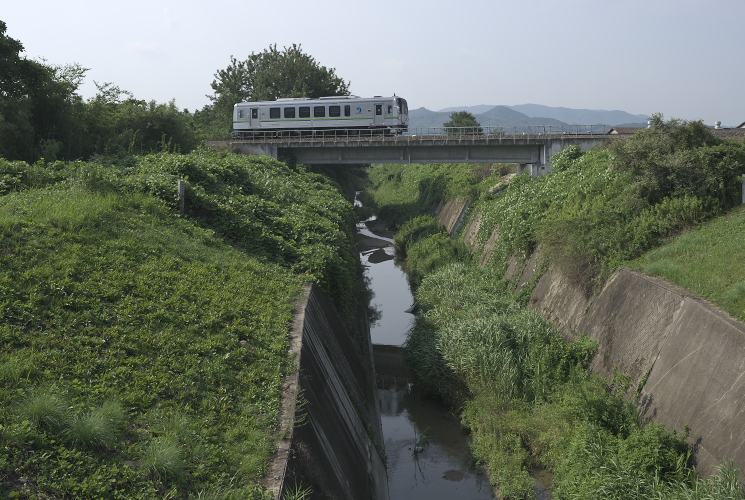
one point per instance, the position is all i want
(426, 449)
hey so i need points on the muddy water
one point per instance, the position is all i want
(426, 448)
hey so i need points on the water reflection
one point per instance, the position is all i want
(426, 448)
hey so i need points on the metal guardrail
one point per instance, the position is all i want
(505, 132)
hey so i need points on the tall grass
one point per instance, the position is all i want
(706, 260)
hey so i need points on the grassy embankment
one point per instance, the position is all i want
(142, 352)
(522, 388)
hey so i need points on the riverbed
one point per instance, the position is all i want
(426, 448)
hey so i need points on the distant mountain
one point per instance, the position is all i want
(568, 116)
(424, 118)
(495, 116)
(581, 116)
(474, 110)
(505, 116)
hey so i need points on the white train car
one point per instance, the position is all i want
(339, 115)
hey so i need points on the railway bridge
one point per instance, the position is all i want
(530, 147)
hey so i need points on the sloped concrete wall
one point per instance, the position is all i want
(687, 353)
(450, 213)
(333, 446)
(692, 354)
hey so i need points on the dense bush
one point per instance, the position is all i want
(414, 230)
(600, 209)
(403, 192)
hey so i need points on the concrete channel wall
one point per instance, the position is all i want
(330, 422)
(688, 354)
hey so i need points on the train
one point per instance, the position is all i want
(335, 115)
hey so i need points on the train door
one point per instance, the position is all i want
(255, 121)
(379, 118)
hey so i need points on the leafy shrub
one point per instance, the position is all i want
(565, 159)
(414, 230)
(603, 208)
(432, 252)
(403, 192)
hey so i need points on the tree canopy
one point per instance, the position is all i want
(273, 74)
(43, 116)
(463, 122)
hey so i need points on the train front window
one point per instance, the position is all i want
(304, 112)
(273, 113)
(319, 111)
(289, 112)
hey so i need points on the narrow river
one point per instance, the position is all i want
(426, 449)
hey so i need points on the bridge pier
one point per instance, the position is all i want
(535, 170)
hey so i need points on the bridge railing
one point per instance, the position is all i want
(513, 131)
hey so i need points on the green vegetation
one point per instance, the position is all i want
(267, 76)
(523, 390)
(142, 352)
(601, 209)
(402, 192)
(706, 260)
(42, 116)
(463, 123)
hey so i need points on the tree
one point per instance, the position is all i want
(270, 75)
(463, 123)
(17, 77)
(38, 103)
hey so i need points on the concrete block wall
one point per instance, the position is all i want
(691, 353)
(333, 437)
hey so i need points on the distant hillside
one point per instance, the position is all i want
(495, 116)
(476, 110)
(581, 116)
(529, 114)
(505, 116)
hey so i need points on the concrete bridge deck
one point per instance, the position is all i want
(532, 150)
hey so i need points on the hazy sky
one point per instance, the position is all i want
(682, 58)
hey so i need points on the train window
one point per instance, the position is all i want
(319, 111)
(347, 110)
(304, 112)
(379, 109)
(289, 112)
(240, 113)
(273, 113)
(334, 111)
(254, 113)
(390, 109)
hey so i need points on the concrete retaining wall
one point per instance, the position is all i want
(330, 418)
(692, 354)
